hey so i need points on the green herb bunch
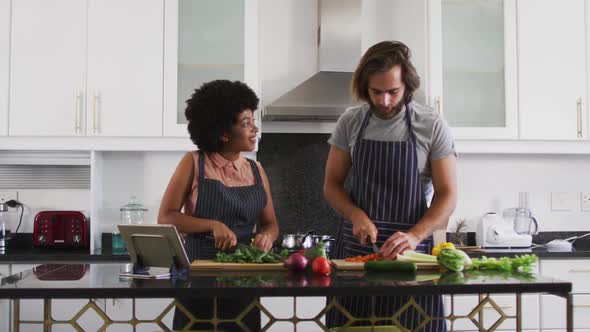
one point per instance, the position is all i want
(522, 263)
(250, 254)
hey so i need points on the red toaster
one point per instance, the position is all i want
(61, 229)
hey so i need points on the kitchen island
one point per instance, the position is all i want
(92, 281)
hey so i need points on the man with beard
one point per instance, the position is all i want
(403, 187)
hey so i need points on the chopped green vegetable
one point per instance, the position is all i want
(319, 250)
(416, 257)
(249, 254)
(451, 259)
(390, 266)
(522, 263)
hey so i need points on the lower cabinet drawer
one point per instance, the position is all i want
(577, 271)
(553, 312)
(464, 304)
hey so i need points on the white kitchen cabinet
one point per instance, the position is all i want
(4, 303)
(553, 312)
(47, 72)
(472, 67)
(389, 20)
(206, 40)
(552, 78)
(577, 271)
(125, 70)
(86, 68)
(4, 64)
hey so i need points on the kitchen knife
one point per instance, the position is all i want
(375, 248)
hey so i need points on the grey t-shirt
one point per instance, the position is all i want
(433, 137)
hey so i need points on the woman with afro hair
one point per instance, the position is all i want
(225, 196)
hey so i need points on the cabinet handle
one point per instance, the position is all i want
(76, 113)
(582, 269)
(579, 106)
(94, 100)
(437, 103)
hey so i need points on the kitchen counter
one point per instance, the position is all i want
(102, 280)
(26, 253)
(94, 281)
(21, 250)
(35, 255)
(543, 253)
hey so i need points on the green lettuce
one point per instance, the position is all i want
(451, 259)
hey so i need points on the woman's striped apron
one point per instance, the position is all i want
(239, 208)
(386, 185)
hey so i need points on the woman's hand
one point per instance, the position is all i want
(224, 237)
(263, 241)
(398, 243)
(363, 227)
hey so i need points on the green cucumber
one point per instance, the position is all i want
(390, 266)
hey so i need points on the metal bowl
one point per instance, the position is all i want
(306, 241)
(297, 241)
(327, 239)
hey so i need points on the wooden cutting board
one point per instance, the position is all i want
(341, 264)
(208, 265)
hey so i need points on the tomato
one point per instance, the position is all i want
(321, 265)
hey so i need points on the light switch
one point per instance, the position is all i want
(563, 201)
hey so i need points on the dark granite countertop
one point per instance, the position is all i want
(26, 253)
(21, 250)
(38, 255)
(542, 253)
(102, 280)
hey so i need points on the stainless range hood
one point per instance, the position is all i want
(325, 95)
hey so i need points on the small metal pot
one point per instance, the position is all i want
(297, 241)
(327, 239)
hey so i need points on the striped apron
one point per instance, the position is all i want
(239, 208)
(386, 185)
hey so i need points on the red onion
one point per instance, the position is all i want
(296, 262)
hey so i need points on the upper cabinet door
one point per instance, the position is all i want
(473, 67)
(551, 68)
(47, 72)
(204, 41)
(125, 67)
(401, 20)
(4, 64)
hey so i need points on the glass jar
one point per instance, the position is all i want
(131, 214)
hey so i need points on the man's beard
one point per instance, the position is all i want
(387, 115)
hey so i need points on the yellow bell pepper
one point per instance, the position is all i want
(445, 245)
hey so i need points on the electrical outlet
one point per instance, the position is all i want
(586, 201)
(8, 195)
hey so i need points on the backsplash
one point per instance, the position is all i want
(486, 182)
(294, 164)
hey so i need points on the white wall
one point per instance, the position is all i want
(288, 45)
(124, 174)
(36, 200)
(492, 182)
